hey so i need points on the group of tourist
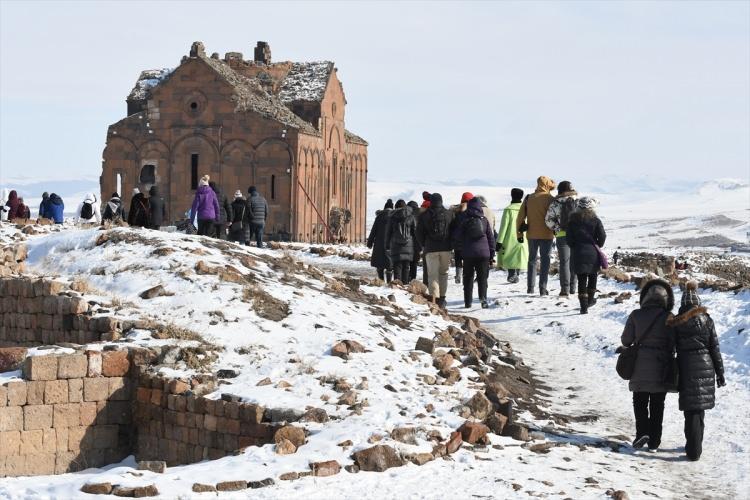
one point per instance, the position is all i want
(212, 214)
(465, 234)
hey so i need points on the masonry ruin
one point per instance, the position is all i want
(279, 126)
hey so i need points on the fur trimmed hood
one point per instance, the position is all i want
(658, 282)
(683, 318)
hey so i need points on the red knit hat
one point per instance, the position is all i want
(466, 197)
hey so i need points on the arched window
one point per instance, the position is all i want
(273, 187)
(148, 174)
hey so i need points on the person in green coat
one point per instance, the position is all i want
(512, 254)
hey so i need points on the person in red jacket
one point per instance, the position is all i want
(425, 200)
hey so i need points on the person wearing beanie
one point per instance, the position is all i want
(474, 236)
(458, 215)
(205, 207)
(239, 224)
(557, 218)
(257, 209)
(113, 209)
(512, 254)
(380, 258)
(700, 366)
(585, 234)
(648, 326)
(531, 222)
(434, 228)
(399, 240)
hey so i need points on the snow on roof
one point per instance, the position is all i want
(306, 81)
(149, 79)
(352, 137)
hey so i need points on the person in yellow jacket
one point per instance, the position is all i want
(531, 221)
(512, 255)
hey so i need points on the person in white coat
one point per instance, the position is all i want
(89, 210)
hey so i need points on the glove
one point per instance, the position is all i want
(720, 382)
(498, 247)
(520, 239)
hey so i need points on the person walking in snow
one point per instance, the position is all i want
(258, 213)
(239, 224)
(113, 208)
(648, 327)
(531, 221)
(585, 234)
(616, 256)
(700, 365)
(458, 215)
(474, 236)
(557, 219)
(205, 207)
(400, 230)
(157, 208)
(139, 214)
(380, 258)
(415, 210)
(512, 255)
(225, 212)
(56, 208)
(434, 228)
(88, 210)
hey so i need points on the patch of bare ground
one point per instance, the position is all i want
(264, 304)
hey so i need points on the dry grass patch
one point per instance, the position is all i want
(264, 304)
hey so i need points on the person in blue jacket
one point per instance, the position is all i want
(54, 209)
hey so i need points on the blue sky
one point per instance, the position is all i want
(441, 90)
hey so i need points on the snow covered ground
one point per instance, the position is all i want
(573, 355)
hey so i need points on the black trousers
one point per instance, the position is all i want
(512, 273)
(694, 426)
(649, 413)
(220, 231)
(424, 271)
(586, 282)
(480, 266)
(401, 270)
(413, 268)
(458, 258)
(205, 227)
(385, 274)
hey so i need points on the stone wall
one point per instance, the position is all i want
(70, 412)
(40, 311)
(12, 259)
(179, 427)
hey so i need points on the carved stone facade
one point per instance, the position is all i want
(277, 126)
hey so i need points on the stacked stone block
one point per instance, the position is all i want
(41, 311)
(179, 427)
(12, 259)
(71, 412)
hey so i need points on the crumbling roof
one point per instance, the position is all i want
(306, 81)
(251, 96)
(354, 138)
(149, 79)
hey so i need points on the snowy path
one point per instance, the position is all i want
(573, 355)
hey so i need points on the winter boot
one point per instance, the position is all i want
(459, 273)
(484, 304)
(583, 299)
(442, 304)
(543, 292)
(592, 296)
(640, 442)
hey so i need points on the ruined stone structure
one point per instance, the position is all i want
(277, 126)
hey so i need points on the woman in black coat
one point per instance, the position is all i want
(584, 231)
(399, 240)
(649, 385)
(700, 363)
(380, 258)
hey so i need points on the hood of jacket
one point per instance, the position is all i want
(474, 208)
(90, 198)
(401, 213)
(154, 190)
(203, 190)
(567, 194)
(55, 199)
(657, 293)
(12, 196)
(544, 184)
(436, 200)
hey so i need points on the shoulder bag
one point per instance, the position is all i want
(628, 355)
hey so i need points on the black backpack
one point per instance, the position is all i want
(474, 228)
(401, 232)
(440, 225)
(87, 210)
(567, 207)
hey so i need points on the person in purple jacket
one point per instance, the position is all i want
(474, 235)
(206, 206)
